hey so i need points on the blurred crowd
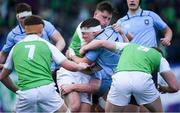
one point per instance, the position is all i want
(67, 14)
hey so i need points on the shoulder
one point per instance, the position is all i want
(149, 13)
(47, 23)
(15, 31)
(108, 29)
(48, 26)
(125, 18)
(105, 34)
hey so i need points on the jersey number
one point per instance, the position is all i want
(31, 51)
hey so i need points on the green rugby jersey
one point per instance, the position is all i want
(32, 60)
(77, 41)
(139, 58)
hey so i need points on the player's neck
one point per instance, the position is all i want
(134, 11)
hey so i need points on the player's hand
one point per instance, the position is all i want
(82, 50)
(165, 41)
(83, 66)
(67, 53)
(66, 88)
(117, 28)
(162, 89)
(70, 53)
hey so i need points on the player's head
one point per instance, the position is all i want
(133, 4)
(90, 28)
(103, 13)
(23, 10)
(33, 25)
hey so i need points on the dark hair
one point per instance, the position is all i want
(159, 50)
(33, 20)
(105, 6)
(21, 7)
(91, 22)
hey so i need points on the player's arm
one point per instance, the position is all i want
(92, 87)
(5, 79)
(118, 29)
(72, 66)
(161, 25)
(7, 47)
(4, 76)
(169, 77)
(54, 35)
(79, 59)
(166, 41)
(129, 36)
(59, 58)
(59, 40)
(3, 57)
(95, 44)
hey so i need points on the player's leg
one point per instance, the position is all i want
(145, 92)
(72, 99)
(85, 107)
(113, 108)
(63, 109)
(48, 100)
(155, 79)
(26, 101)
(102, 94)
(95, 84)
(133, 106)
(119, 93)
(85, 98)
(155, 106)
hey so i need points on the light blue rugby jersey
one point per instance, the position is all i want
(106, 59)
(18, 34)
(143, 26)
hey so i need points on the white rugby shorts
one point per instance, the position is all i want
(124, 84)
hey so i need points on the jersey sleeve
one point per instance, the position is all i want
(9, 43)
(164, 65)
(9, 62)
(158, 22)
(93, 54)
(49, 28)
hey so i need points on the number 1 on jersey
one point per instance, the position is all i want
(31, 51)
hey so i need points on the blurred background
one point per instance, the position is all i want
(65, 15)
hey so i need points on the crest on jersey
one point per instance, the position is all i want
(146, 21)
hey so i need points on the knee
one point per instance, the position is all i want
(75, 107)
(175, 88)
